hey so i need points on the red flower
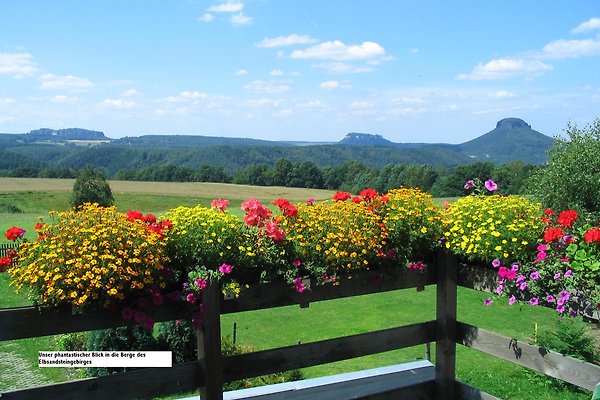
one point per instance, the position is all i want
(149, 219)
(5, 262)
(549, 211)
(220, 204)
(289, 210)
(133, 215)
(38, 226)
(281, 203)
(592, 235)
(369, 194)
(384, 199)
(14, 233)
(566, 218)
(357, 199)
(553, 234)
(341, 196)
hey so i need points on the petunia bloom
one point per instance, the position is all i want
(491, 185)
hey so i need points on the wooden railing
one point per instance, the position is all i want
(212, 369)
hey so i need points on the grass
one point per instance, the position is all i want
(263, 329)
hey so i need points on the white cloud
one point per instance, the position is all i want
(501, 94)
(329, 85)
(185, 96)
(589, 25)
(241, 72)
(290, 40)
(60, 98)
(409, 100)
(276, 72)
(361, 105)
(406, 111)
(343, 68)
(241, 19)
(561, 49)
(288, 112)
(130, 92)
(206, 17)
(506, 68)
(262, 102)
(338, 51)
(17, 64)
(311, 104)
(259, 86)
(118, 103)
(228, 7)
(7, 100)
(51, 81)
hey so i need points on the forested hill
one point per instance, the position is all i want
(513, 139)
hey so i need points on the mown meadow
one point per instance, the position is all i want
(265, 329)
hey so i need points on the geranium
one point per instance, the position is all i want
(553, 234)
(92, 256)
(5, 262)
(14, 233)
(566, 218)
(592, 235)
(341, 196)
(220, 204)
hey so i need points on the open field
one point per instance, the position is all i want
(186, 189)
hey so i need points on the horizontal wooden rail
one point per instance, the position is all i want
(27, 322)
(280, 294)
(326, 351)
(144, 383)
(537, 358)
(466, 392)
(476, 277)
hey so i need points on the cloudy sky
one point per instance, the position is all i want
(412, 71)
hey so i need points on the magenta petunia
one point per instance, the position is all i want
(488, 302)
(512, 300)
(226, 268)
(496, 263)
(534, 301)
(491, 185)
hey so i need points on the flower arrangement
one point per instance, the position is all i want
(564, 273)
(333, 237)
(488, 227)
(92, 256)
(413, 223)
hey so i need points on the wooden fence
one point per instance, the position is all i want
(213, 369)
(7, 246)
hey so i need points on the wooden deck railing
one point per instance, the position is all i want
(212, 369)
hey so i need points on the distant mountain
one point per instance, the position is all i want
(512, 139)
(61, 135)
(365, 139)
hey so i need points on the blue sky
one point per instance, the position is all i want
(412, 71)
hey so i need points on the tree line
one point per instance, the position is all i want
(351, 176)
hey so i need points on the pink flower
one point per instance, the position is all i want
(149, 323)
(299, 285)
(565, 295)
(274, 232)
(226, 268)
(487, 302)
(470, 183)
(201, 283)
(297, 263)
(564, 259)
(502, 272)
(512, 300)
(542, 247)
(514, 267)
(491, 185)
(126, 313)
(568, 273)
(446, 204)
(534, 301)
(139, 317)
(310, 201)
(496, 263)
(550, 299)
(220, 204)
(557, 276)
(535, 275)
(499, 289)
(523, 286)
(511, 274)
(191, 298)
(560, 309)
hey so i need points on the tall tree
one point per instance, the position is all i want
(91, 187)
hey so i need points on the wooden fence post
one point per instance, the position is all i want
(209, 344)
(445, 350)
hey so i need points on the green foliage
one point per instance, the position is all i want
(571, 338)
(128, 338)
(91, 187)
(180, 338)
(570, 180)
(9, 208)
(76, 341)
(451, 183)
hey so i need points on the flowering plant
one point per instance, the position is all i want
(92, 256)
(413, 223)
(487, 227)
(333, 237)
(564, 273)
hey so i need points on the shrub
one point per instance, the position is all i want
(180, 338)
(486, 227)
(570, 180)
(128, 338)
(91, 187)
(76, 341)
